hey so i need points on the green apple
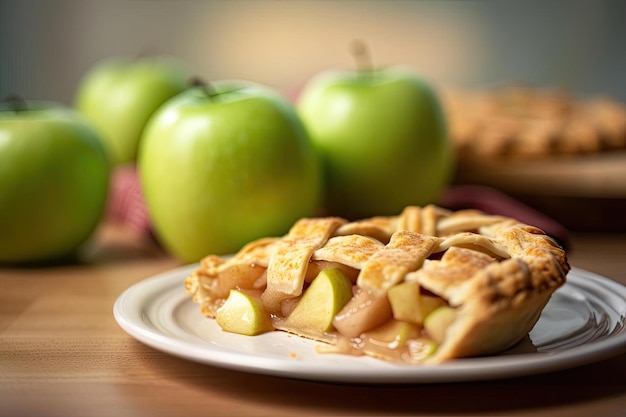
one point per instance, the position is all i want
(243, 314)
(53, 181)
(408, 304)
(224, 167)
(119, 95)
(383, 138)
(437, 323)
(321, 301)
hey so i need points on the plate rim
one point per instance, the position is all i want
(458, 370)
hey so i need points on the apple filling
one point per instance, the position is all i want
(425, 286)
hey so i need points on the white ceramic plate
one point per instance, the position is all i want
(584, 322)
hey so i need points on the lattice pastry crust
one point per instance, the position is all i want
(495, 272)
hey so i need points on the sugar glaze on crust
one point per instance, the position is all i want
(497, 273)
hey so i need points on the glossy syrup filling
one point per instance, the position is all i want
(365, 325)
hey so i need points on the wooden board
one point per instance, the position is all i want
(593, 176)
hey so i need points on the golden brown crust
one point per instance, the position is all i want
(497, 272)
(290, 257)
(405, 252)
(350, 250)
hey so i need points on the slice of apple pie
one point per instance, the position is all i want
(425, 286)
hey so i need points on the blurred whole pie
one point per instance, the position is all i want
(425, 286)
(525, 122)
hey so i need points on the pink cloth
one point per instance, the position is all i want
(125, 203)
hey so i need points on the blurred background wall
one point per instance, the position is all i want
(580, 45)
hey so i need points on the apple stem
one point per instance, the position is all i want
(15, 103)
(362, 56)
(206, 87)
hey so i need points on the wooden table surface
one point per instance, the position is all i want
(63, 354)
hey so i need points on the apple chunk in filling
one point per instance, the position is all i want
(365, 310)
(244, 314)
(409, 304)
(322, 300)
(407, 324)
